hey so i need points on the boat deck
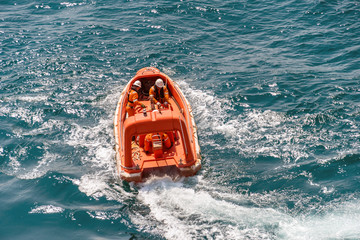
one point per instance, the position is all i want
(171, 156)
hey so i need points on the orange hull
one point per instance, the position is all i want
(133, 163)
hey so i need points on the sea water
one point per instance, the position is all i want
(275, 90)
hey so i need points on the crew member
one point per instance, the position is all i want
(159, 93)
(133, 97)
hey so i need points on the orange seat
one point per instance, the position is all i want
(155, 142)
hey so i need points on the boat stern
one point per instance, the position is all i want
(191, 170)
(131, 177)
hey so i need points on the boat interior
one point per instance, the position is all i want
(159, 155)
(146, 84)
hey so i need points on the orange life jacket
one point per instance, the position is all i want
(161, 94)
(133, 98)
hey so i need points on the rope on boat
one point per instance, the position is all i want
(136, 153)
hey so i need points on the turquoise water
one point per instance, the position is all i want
(274, 87)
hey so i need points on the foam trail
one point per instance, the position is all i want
(184, 213)
(47, 209)
(340, 222)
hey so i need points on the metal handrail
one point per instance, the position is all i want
(182, 133)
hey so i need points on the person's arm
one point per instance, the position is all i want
(135, 97)
(166, 94)
(152, 95)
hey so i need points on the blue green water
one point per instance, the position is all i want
(275, 90)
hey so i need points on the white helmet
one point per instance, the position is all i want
(159, 83)
(137, 83)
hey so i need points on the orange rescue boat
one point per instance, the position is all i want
(175, 121)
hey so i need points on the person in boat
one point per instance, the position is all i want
(159, 94)
(133, 97)
(152, 139)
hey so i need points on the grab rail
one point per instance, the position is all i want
(183, 137)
